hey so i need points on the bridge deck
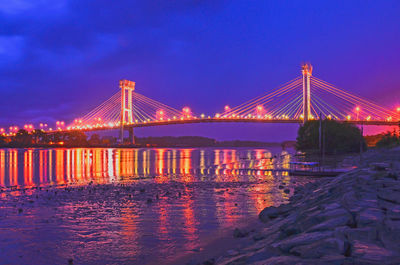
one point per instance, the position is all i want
(232, 120)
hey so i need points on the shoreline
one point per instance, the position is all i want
(350, 219)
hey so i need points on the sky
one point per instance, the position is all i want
(61, 58)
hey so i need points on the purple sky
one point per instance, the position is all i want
(61, 58)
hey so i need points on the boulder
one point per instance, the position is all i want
(268, 214)
(368, 216)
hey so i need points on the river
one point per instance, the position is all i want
(136, 206)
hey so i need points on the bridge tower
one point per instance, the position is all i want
(127, 87)
(306, 71)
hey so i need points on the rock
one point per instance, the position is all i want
(390, 239)
(263, 254)
(379, 166)
(332, 223)
(232, 252)
(209, 262)
(258, 237)
(393, 197)
(301, 239)
(334, 259)
(268, 213)
(238, 233)
(393, 213)
(369, 215)
(324, 247)
(331, 206)
(283, 260)
(370, 252)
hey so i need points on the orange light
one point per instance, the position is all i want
(357, 109)
(227, 108)
(398, 109)
(186, 109)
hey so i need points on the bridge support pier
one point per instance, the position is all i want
(131, 136)
(306, 71)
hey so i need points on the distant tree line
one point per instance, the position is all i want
(38, 138)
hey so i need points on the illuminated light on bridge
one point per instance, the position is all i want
(187, 112)
(260, 110)
(227, 108)
(357, 109)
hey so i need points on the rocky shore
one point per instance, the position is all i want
(350, 219)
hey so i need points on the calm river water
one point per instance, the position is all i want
(136, 206)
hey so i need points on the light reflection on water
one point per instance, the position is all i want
(196, 193)
(41, 167)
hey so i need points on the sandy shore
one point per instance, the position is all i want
(350, 219)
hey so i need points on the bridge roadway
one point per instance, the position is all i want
(226, 120)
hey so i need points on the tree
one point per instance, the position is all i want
(338, 137)
(39, 137)
(3, 140)
(388, 140)
(94, 140)
(23, 138)
(75, 138)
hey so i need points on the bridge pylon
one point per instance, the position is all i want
(306, 71)
(127, 87)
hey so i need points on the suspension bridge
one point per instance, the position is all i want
(304, 98)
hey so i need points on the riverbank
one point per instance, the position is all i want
(351, 219)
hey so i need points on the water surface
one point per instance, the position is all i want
(106, 205)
